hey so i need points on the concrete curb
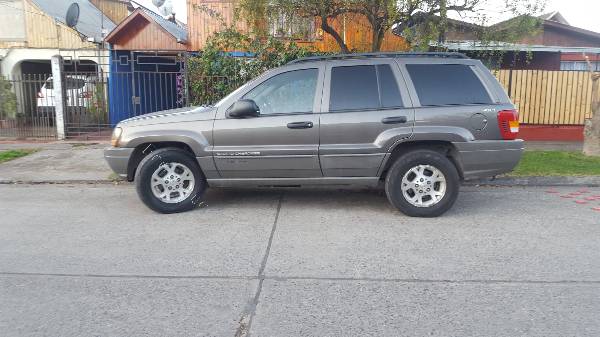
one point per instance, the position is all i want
(587, 181)
(63, 182)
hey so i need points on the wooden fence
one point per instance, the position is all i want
(549, 97)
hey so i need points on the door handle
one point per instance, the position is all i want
(394, 120)
(300, 125)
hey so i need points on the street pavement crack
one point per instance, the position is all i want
(305, 278)
(245, 322)
(132, 276)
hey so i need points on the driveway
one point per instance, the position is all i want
(92, 260)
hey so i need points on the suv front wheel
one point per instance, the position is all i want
(422, 183)
(169, 180)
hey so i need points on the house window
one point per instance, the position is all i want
(578, 65)
(293, 27)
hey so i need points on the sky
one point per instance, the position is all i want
(579, 13)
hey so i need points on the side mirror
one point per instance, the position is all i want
(244, 108)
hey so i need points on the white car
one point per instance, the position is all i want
(79, 95)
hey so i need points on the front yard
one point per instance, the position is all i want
(14, 154)
(557, 163)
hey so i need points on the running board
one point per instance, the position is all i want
(287, 182)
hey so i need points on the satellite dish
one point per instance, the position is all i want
(166, 9)
(72, 15)
(158, 3)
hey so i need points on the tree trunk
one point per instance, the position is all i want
(329, 30)
(443, 23)
(591, 133)
(378, 35)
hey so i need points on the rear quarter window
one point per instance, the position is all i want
(447, 84)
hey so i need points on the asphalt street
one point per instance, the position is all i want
(92, 260)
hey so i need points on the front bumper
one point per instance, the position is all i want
(118, 159)
(487, 158)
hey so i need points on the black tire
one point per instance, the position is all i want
(151, 163)
(393, 182)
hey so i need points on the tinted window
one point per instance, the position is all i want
(388, 87)
(353, 88)
(447, 84)
(291, 92)
(363, 87)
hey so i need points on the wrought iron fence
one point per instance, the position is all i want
(97, 96)
(86, 105)
(27, 107)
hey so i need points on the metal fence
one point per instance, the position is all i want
(86, 105)
(27, 107)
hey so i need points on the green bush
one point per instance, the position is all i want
(8, 100)
(214, 73)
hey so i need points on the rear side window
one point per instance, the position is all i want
(447, 84)
(363, 88)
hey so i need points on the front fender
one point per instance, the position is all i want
(198, 140)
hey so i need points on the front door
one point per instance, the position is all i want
(367, 110)
(283, 141)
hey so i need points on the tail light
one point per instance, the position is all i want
(86, 94)
(40, 95)
(508, 121)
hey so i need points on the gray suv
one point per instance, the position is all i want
(418, 123)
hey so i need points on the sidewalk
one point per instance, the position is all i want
(58, 162)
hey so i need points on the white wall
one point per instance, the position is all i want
(10, 64)
(12, 21)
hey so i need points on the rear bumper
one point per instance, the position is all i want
(118, 159)
(486, 158)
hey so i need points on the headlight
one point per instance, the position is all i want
(116, 137)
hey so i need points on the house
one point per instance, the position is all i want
(205, 17)
(557, 45)
(147, 65)
(32, 31)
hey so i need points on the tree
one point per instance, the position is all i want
(420, 21)
(8, 99)
(326, 11)
(591, 143)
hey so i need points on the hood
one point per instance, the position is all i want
(172, 116)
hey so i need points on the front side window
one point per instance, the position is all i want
(364, 87)
(290, 92)
(447, 84)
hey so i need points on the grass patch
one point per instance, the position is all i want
(14, 154)
(557, 163)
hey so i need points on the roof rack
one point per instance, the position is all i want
(379, 55)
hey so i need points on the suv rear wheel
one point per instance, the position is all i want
(422, 183)
(169, 180)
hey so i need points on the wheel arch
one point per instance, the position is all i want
(142, 150)
(445, 148)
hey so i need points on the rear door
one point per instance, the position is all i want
(366, 109)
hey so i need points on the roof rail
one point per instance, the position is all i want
(379, 55)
